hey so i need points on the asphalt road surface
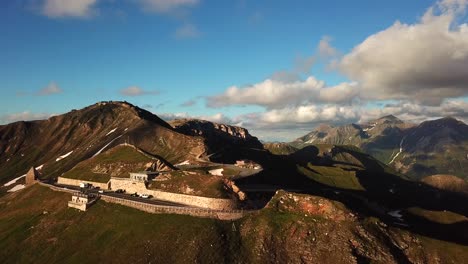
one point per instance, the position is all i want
(123, 196)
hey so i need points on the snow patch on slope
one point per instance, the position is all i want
(64, 156)
(396, 214)
(103, 148)
(217, 172)
(17, 188)
(112, 131)
(183, 163)
(14, 180)
(399, 152)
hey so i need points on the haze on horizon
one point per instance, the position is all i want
(277, 68)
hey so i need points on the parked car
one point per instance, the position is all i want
(119, 191)
(101, 191)
(134, 194)
(146, 196)
(85, 185)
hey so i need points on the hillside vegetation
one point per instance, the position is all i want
(292, 229)
(116, 162)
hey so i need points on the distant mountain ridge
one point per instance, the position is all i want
(432, 147)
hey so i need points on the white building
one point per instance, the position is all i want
(143, 176)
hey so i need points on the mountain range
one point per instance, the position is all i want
(353, 190)
(417, 150)
(59, 143)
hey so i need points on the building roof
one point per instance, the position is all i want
(145, 172)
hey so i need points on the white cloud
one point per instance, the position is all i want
(23, 116)
(325, 49)
(167, 6)
(52, 88)
(69, 8)
(187, 31)
(286, 124)
(426, 61)
(417, 113)
(273, 93)
(216, 118)
(173, 116)
(308, 114)
(136, 91)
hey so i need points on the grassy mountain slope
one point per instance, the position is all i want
(116, 162)
(83, 133)
(293, 228)
(435, 147)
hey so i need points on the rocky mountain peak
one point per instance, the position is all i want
(203, 127)
(388, 119)
(446, 122)
(117, 110)
(323, 128)
(215, 132)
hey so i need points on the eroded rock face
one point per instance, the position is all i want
(225, 142)
(230, 185)
(208, 129)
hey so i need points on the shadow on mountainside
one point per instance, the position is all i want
(281, 172)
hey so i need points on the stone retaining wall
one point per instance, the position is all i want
(75, 182)
(198, 201)
(161, 209)
(55, 188)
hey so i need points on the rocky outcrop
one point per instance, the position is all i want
(225, 143)
(210, 130)
(231, 186)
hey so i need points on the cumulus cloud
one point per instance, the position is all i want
(421, 67)
(173, 116)
(273, 93)
(306, 114)
(23, 116)
(325, 49)
(414, 112)
(288, 88)
(136, 91)
(187, 31)
(286, 124)
(50, 89)
(217, 118)
(167, 6)
(426, 61)
(69, 8)
(289, 123)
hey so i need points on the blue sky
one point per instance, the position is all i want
(57, 55)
